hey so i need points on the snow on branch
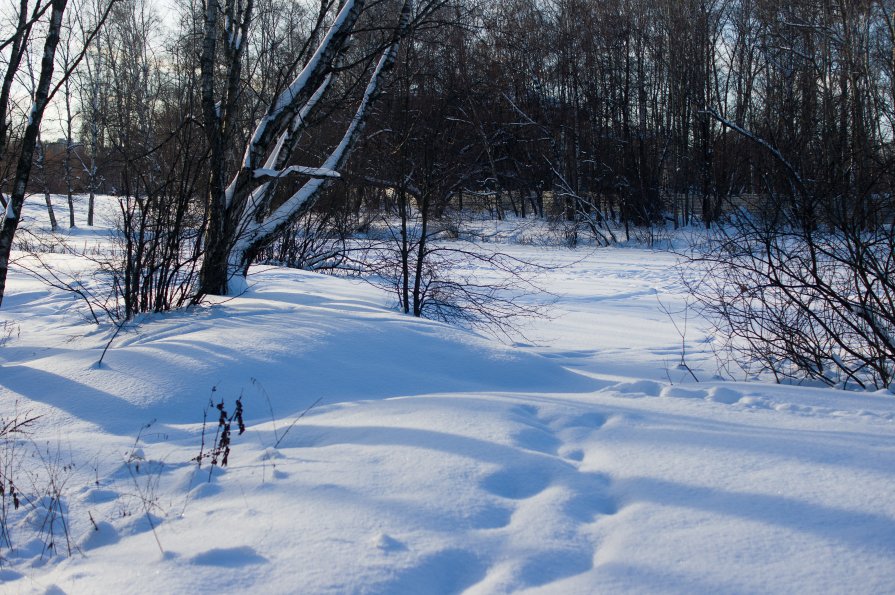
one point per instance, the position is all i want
(313, 172)
(406, 185)
(301, 81)
(298, 123)
(288, 98)
(336, 158)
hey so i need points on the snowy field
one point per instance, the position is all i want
(580, 460)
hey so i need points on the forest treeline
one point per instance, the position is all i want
(636, 111)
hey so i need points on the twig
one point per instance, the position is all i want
(109, 344)
(273, 419)
(683, 335)
(143, 498)
(303, 413)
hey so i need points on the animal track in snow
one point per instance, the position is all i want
(492, 517)
(552, 499)
(680, 392)
(576, 454)
(555, 565)
(732, 397)
(517, 483)
(537, 439)
(650, 388)
(719, 394)
(229, 557)
(443, 572)
(592, 420)
(583, 495)
(638, 388)
(591, 498)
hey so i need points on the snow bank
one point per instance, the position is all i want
(437, 461)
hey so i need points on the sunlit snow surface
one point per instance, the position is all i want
(580, 460)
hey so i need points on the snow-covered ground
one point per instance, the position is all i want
(582, 460)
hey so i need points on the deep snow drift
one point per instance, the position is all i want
(437, 460)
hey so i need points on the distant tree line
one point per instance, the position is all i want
(640, 111)
(632, 110)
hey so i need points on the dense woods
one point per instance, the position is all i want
(639, 111)
(237, 131)
(630, 111)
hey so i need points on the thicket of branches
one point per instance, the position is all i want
(800, 305)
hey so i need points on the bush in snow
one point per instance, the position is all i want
(804, 301)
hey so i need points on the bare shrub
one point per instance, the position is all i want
(320, 240)
(13, 435)
(454, 281)
(33, 488)
(803, 301)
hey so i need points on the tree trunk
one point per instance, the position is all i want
(40, 162)
(53, 224)
(69, 151)
(405, 251)
(422, 247)
(242, 217)
(29, 139)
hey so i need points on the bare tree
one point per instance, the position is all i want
(40, 165)
(50, 14)
(65, 55)
(93, 103)
(246, 210)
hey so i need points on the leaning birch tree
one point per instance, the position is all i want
(245, 210)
